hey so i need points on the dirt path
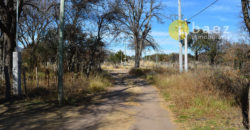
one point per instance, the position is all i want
(144, 109)
(131, 104)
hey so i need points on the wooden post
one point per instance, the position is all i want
(7, 83)
(24, 81)
(37, 82)
(47, 76)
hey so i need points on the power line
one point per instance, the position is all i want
(203, 10)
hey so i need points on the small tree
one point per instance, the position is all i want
(117, 57)
(196, 42)
(212, 46)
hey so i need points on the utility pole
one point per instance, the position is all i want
(186, 46)
(186, 53)
(16, 70)
(60, 57)
(186, 49)
(180, 51)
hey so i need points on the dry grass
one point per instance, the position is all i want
(77, 88)
(111, 66)
(205, 98)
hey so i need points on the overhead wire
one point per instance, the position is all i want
(203, 10)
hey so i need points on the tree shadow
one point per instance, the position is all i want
(47, 115)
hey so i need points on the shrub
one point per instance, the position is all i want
(98, 84)
(139, 71)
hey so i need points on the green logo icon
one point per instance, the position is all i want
(174, 29)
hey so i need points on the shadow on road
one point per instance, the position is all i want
(24, 115)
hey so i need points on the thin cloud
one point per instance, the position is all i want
(223, 19)
(159, 34)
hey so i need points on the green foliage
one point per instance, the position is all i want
(212, 46)
(209, 43)
(117, 57)
(196, 41)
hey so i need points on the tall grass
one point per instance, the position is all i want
(206, 98)
(77, 87)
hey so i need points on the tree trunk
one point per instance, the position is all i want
(2, 58)
(196, 56)
(10, 47)
(24, 81)
(248, 107)
(9, 42)
(244, 101)
(7, 83)
(137, 54)
(245, 8)
(212, 59)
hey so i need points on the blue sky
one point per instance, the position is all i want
(224, 14)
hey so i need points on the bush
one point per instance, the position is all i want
(98, 84)
(139, 71)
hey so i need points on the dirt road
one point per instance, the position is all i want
(140, 106)
(131, 104)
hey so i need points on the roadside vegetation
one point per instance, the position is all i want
(77, 87)
(203, 98)
(213, 94)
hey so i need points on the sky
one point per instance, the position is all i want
(223, 15)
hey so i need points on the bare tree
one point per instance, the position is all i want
(135, 17)
(103, 16)
(35, 21)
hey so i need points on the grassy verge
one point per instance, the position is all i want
(203, 99)
(77, 88)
